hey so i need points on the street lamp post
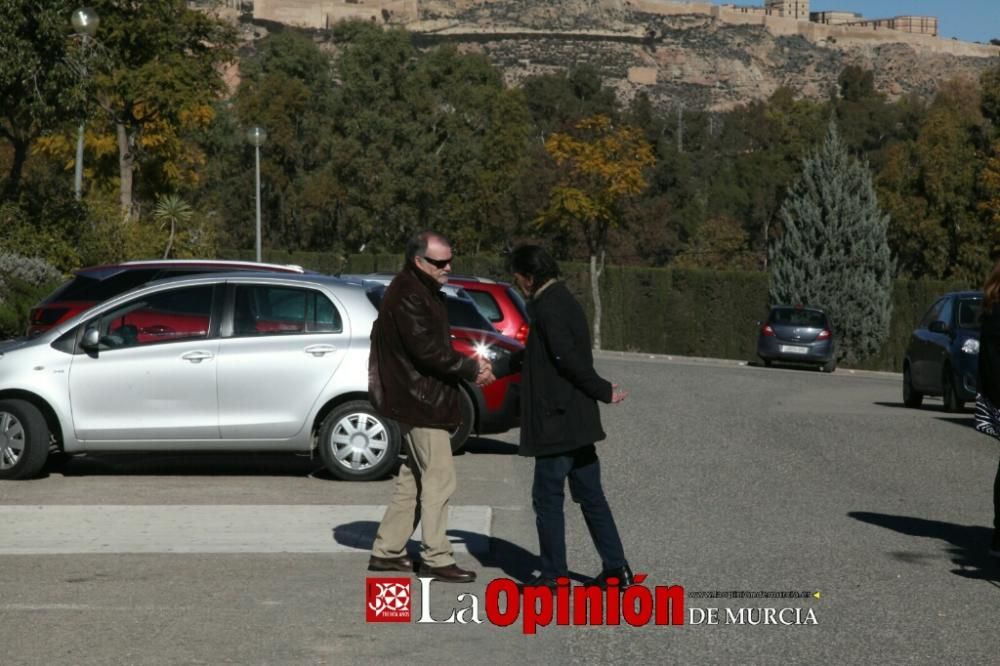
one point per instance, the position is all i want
(257, 136)
(85, 22)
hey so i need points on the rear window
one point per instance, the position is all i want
(518, 302)
(970, 310)
(798, 317)
(86, 288)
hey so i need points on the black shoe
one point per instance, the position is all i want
(447, 574)
(541, 581)
(402, 563)
(623, 575)
(995, 545)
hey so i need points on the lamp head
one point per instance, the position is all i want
(85, 21)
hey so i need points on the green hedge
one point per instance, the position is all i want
(663, 311)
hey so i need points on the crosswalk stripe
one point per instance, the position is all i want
(81, 529)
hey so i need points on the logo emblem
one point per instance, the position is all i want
(387, 599)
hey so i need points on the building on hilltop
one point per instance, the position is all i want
(795, 9)
(835, 17)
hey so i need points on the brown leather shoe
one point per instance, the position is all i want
(447, 574)
(402, 563)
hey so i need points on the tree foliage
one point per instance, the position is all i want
(833, 253)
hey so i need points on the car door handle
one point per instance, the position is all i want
(197, 356)
(320, 350)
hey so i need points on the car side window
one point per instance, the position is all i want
(276, 310)
(166, 316)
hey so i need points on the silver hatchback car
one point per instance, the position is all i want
(219, 362)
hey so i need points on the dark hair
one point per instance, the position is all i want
(416, 245)
(533, 261)
(991, 290)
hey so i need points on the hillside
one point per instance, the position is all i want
(698, 60)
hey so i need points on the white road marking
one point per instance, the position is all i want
(70, 529)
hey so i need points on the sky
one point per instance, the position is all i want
(968, 20)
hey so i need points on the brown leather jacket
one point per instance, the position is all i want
(413, 372)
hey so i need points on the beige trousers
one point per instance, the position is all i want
(425, 483)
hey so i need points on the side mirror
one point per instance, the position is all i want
(938, 327)
(91, 339)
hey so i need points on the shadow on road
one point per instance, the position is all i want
(479, 445)
(939, 407)
(968, 547)
(517, 563)
(186, 464)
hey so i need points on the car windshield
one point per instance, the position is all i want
(461, 311)
(798, 317)
(969, 312)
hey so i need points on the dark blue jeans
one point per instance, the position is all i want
(583, 469)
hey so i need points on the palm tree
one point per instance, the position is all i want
(171, 209)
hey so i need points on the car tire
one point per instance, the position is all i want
(829, 366)
(24, 440)
(911, 397)
(358, 444)
(949, 395)
(460, 435)
(767, 362)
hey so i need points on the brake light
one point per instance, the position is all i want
(767, 330)
(823, 335)
(522, 334)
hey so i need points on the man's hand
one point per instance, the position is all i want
(485, 375)
(617, 394)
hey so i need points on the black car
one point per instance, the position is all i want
(943, 353)
(797, 334)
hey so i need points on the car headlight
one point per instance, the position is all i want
(970, 346)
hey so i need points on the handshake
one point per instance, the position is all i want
(485, 375)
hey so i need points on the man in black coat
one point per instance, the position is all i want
(560, 420)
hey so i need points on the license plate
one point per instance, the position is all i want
(791, 349)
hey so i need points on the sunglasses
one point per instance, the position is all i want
(439, 263)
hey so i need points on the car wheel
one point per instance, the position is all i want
(461, 434)
(949, 394)
(358, 444)
(24, 440)
(911, 396)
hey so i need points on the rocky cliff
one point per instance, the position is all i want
(698, 59)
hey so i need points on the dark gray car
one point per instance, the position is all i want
(943, 353)
(797, 334)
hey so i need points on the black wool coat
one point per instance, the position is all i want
(559, 386)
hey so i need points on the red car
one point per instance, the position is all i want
(500, 304)
(96, 284)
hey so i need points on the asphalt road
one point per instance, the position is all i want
(722, 477)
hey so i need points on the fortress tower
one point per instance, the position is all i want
(796, 9)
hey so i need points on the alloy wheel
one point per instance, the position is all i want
(12, 440)
(359, 441)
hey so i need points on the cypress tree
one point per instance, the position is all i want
(833, 252)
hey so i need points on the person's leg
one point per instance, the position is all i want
(547, 499)
(586, 489)
(995, 544)
(431, 451)
(399, 520)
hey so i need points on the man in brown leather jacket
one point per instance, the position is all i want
(413, 378)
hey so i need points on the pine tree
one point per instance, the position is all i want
(833, 252)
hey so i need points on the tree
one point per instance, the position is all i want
(172, 211)
(158, 64)
(833, 251)
(37, 82)
(602, 168)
